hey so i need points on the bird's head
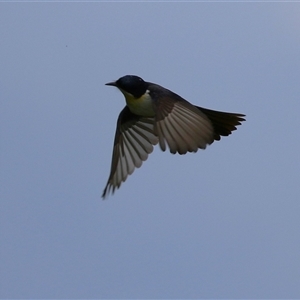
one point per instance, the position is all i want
(131, 85)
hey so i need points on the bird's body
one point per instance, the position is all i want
(154, 114)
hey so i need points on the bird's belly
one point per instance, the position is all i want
(142, 106)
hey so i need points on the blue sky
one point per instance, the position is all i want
(223, 222)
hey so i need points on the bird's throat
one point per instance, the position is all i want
(142, 106)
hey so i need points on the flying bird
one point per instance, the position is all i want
(154, 114)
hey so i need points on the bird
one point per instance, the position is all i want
(155, 115)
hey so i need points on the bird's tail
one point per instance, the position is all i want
(223, 122)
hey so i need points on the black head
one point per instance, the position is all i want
(131, 84)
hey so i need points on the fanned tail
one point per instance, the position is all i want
(223, 122)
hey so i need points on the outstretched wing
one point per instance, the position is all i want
(185, 127)
(182, 126)
(134, 140)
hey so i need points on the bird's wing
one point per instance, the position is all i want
(181, 125)
(134, 140)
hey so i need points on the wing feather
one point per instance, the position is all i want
(134, 140)
(182, 126)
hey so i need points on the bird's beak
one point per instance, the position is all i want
(113, 83)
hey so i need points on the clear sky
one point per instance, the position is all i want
(224, 222)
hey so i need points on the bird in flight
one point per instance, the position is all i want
(155, 115)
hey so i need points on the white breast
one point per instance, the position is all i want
(142, 106)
